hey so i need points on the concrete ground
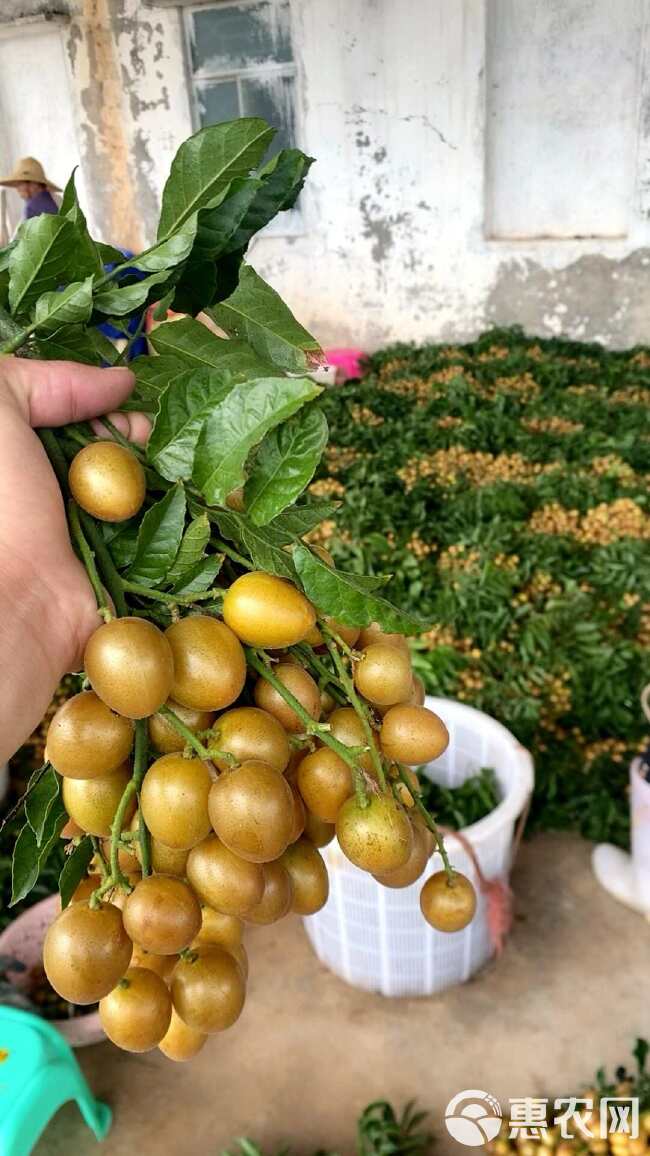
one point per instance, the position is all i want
(570, 993)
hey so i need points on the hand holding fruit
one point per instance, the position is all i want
(48, 609)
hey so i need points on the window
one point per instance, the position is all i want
(241, 64)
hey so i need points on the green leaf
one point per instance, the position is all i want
(196, 288)
(262, 544)
(200, 577)
(299, 520)
(159, 538)
(122, 299)
(285, 463)
(5, 254)
(39, 803)
(256, 313)
(347, 597)
(71, 306)
(88, 257)
(183, 412)
(206, 163)
(73, 343)
(41, 260)
(216, 224)
(192, 547)
(153, 376)
(194, 344)
(282, 180)
(161, 309)
(8, 327)
(169, 252)
(109, 255)
(28, 858)
(122, 540)
(74, 869)
(239, 423)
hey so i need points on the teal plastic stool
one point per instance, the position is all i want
(39, 1073)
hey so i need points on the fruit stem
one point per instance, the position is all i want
(333, 642)
(88, 559)
(190, 738)
(56, 456)
(326, 676)
(101, 858)
(430, 822)
(184, 731)
(321, 730)
(119, 437)
(131, 340)
(112, 580)
(169, 599)
(221, 546)
(19, 339)
(139, 768)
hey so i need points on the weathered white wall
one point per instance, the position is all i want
(479, 161)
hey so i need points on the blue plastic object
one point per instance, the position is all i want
(39, 1073)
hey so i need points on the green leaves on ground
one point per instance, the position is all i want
(240, 422)
(285, 464)
(159, 539)
(349, 598)
(256, 313)
(74, 869)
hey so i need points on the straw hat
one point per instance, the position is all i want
(29, 169)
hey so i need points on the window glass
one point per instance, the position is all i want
(216, 101)
(236, 36)
(271, 97)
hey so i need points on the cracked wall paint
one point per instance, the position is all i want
(595, 297)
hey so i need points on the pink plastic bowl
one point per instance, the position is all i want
(23, 940)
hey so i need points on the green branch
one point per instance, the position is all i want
(88, 560)
(311, 726)
(332, 642)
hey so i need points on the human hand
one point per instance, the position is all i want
(47, 607)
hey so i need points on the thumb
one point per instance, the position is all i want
(56, 392)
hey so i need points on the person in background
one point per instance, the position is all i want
(30, 182)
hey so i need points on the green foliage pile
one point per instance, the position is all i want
(505, 485)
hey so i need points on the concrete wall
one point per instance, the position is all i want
(479, 161)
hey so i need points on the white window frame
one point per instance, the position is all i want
(290, 223)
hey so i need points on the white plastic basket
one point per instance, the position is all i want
(375, 937)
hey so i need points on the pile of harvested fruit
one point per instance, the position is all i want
(244, 700)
